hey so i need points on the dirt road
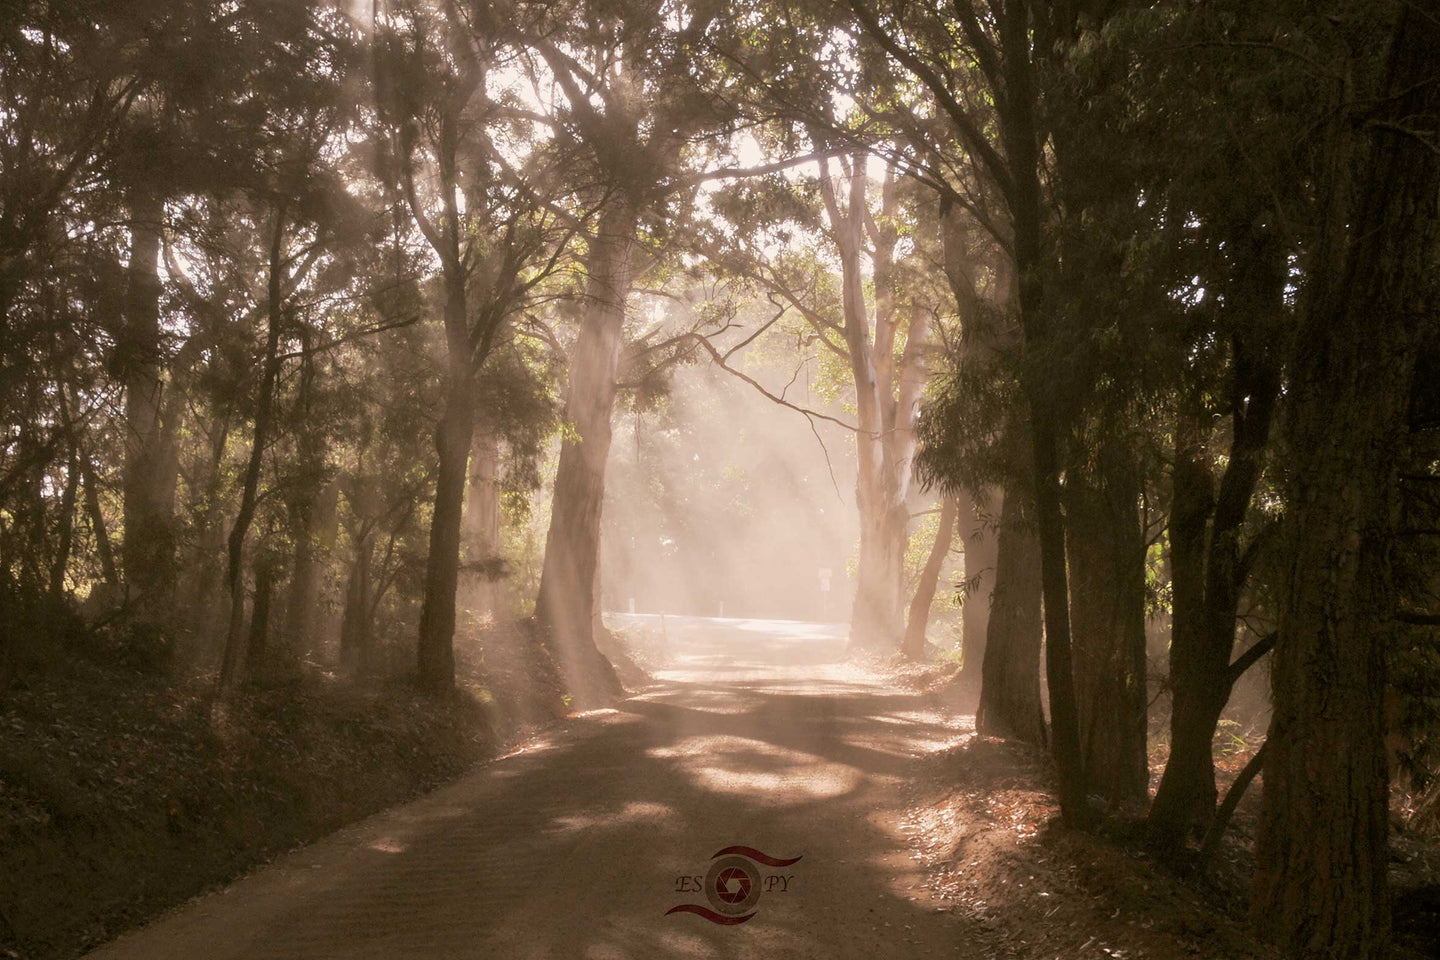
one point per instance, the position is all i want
(573, 846)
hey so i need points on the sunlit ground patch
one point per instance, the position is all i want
(758, 770)
(707, 701)
(654, 814)
(388, 845)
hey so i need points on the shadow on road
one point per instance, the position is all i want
(572, 847)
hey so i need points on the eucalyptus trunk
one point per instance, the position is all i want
(919, 620)
(435, 649)
(147, 548)
(568, 604)
(482, 525)
(981, 556)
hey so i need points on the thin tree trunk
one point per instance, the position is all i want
(66, 534)
(232, 661)
(305, 510)
(1322, 852)
(96, 517)
(566, 605)
(1221, 821)
(919, 620)
(205, 572)
(303, 608)
(983, 338)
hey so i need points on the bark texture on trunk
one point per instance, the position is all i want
(887, 401)
(147, 550)
(1320, 882)
(258, 641)
(482, 526)
(1020, 134)
(567, 603)
(1010, 676)
(979, 540)
(435, 651)
(1107, 610)
(919, 620)
(307, 511)
(356, 639)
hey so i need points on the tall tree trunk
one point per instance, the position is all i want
(482, 523)
(1321, 856)
(147, 549)
(1208, 573)
(66, 534)
(1010, 674)
(1107, 609)
(356, 640)
(885, 444)
(919, 620)
(302, 608)
(876, 618)
(257, 642)
(566, 604)
(983, 339)
(1187, 793)
(981, 555)
(436, 650)
(96, 517)
(204, 572)
(1020, 134)
(232, 661)
(305, 508)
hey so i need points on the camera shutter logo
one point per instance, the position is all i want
(733, 885)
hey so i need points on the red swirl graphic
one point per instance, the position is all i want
(757, 856)
(707, 913)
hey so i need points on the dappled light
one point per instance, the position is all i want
(650, 479)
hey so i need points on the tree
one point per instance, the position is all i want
(887, 396)
(308, 214)
(491, 226)
(914, 643)
(631, 101)
(1320, 882)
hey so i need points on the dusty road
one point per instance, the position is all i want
(573, 846)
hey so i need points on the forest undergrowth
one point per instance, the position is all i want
(127, 786)
(984, 821)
